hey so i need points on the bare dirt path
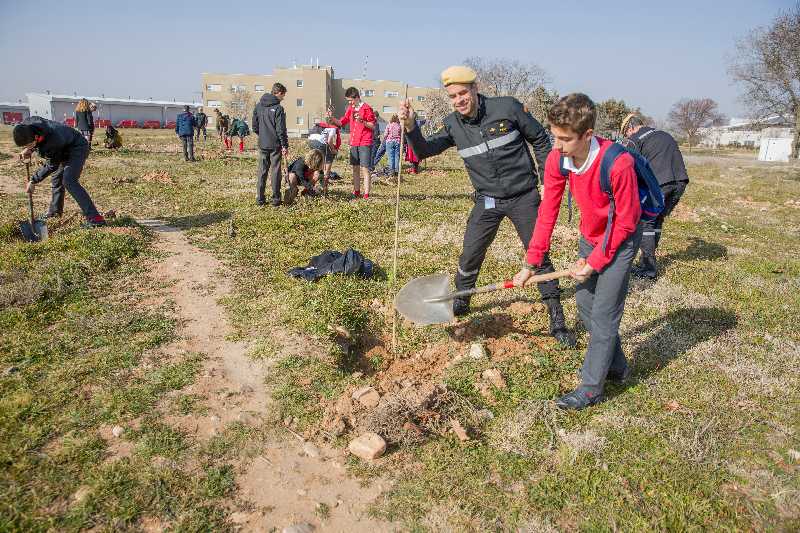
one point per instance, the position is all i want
(287, 482)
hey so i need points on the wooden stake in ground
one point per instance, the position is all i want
(397, 230)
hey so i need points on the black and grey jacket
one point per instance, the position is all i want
(269, 123)
(58, 144)
(661, 151)
(84, 121)
(492, 145)
(200, 120)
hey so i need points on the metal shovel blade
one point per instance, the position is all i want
(34, 233)
(411, 302)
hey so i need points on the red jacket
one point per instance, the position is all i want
(593, 204)
(360, 135)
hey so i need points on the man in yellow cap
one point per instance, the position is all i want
(490, 135)
(666, 160)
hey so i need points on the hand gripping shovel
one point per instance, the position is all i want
(427, 300)
(32, 230)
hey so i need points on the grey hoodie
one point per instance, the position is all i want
(269, 122)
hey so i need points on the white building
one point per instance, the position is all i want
(746, 133)
(60, 107)
(13, 113)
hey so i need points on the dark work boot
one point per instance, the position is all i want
(647, 265)
(558, 326)
(460, 306)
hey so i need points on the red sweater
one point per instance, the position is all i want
(360, 135)
(593, 204)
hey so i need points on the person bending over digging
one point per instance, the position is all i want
(362, 123)
(304, 171)
(490, 135)
(605, 251)
(65, 151)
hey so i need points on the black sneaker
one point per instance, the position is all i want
(642, 273)
(52, 215)
(275, 203)
(579, 399)
(460, 306)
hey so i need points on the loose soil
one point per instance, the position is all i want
(282, 485)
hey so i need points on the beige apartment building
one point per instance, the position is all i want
(310, 91)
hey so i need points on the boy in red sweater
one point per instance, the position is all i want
(603, 268)
(362, 123)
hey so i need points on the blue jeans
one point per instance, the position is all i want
(393, 148)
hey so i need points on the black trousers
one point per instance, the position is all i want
(203, 129)
(651, 229)
(269, 167)
(65, 178)
(188, 147)
(482, 226)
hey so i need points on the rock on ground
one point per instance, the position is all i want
(368, 446)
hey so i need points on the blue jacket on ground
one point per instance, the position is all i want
(184, 124)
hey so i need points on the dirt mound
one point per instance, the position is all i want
(408, 402)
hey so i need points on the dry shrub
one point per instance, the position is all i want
(512, 433)
(158, 176)
(411, 415)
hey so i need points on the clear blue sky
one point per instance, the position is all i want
(648, 53)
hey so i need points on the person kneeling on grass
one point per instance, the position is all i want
(605, 250)
(65, 151)
(304, 171)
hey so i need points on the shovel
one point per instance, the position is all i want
(427, 300)
(32, 230)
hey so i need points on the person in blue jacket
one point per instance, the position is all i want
(184, 128)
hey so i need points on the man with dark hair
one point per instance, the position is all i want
(201, 121)
(362, 123)
(605, 251)
(65, 151)
(184, 128)
(269, 123)
(666, 160)
(490, 135)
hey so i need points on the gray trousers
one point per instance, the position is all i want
(188, 147)
(601, 301)
(269, 166)
(66, 178)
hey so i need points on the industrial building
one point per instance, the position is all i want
(13, 113)
(61, 107)
(310, 91)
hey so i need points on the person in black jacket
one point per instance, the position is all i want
(65, 152)
(490, 135)
(666, 160)
(201, 121)
(84, 120)
(269, 123)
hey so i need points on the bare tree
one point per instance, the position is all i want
(241, 104)
(767, 66)
(497, 77)
(527, 82)
(435, 107)
(689, 115)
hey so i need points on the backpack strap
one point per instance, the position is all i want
(609, 157)
(565, 174)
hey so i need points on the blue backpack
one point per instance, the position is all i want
(650, 196)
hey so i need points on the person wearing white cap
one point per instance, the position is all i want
(490, 134)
